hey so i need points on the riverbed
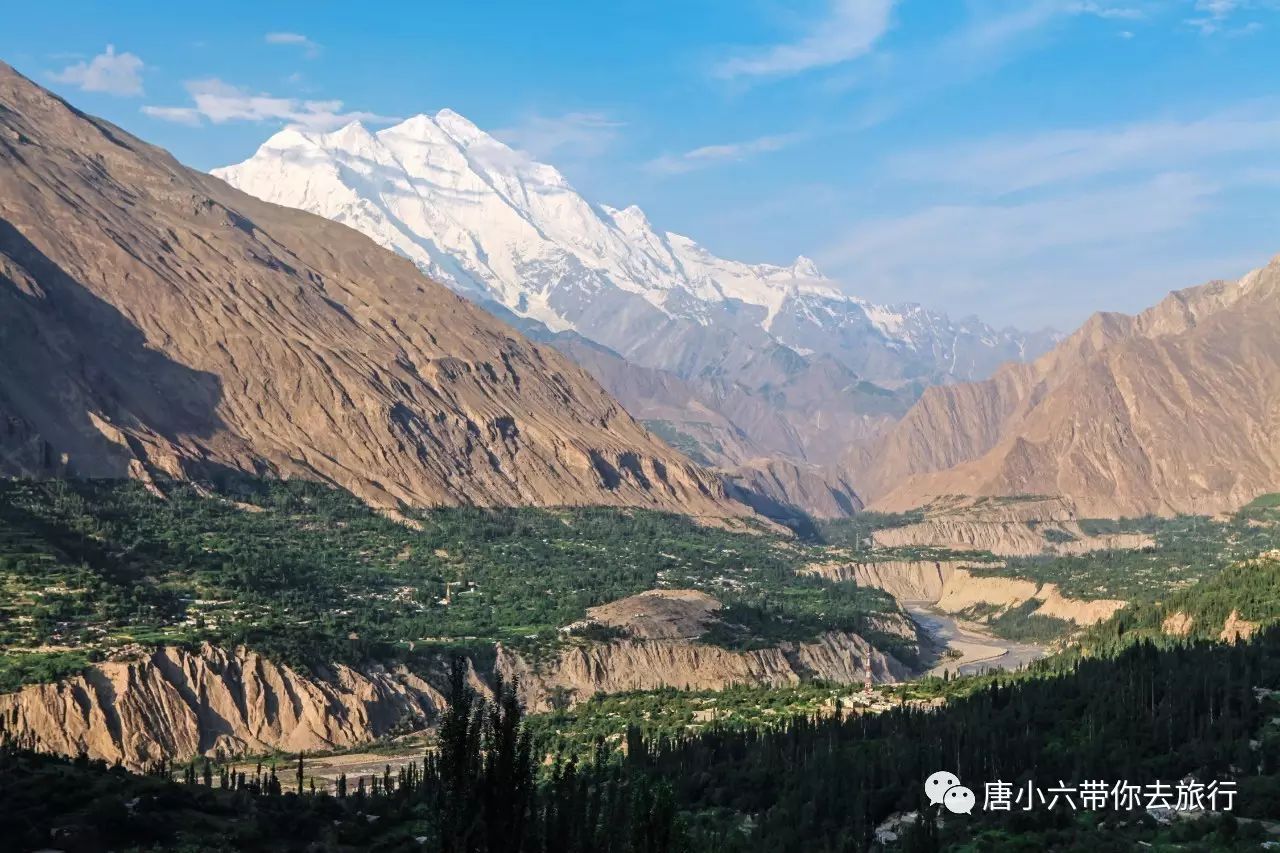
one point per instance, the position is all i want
(978, 649)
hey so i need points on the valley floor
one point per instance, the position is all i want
(973, 649)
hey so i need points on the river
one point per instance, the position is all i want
(978, 649)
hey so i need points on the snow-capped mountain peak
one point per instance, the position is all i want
(494, 224)
(805, 268)
(458, 127)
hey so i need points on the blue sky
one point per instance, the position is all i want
(1029, 162)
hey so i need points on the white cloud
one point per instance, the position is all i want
(1011, 164)
(710, 155)
(1214, 17)
(850, 29)
(1217, 8)
(1110, 12)
(189, 116)
(993, 234)
(109, 72)
(992, 34)
(574, 134)
(219, 102)
(310, 48)
(1039, 226)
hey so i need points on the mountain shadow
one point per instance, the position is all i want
(81, 392)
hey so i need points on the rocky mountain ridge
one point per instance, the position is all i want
(158, 322)
(778, 353)
(1174, 410)
(491, 222)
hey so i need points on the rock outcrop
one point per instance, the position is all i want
(1236, 629)
(953, 587)
(176, 704)
(156, 322)
(579, 673)
(1177, 624)
(1006, 528)
(659, 614)
(1174, 410)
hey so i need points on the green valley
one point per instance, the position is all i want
(308, 574)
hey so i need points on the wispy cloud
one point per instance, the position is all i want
(109, 72)
(1014, 163)
(1110, 11)
(310, 48)
(992, 34)
(190, 116)
(849, 29)
(1047, 260)
(572, 135)
(949, 236)
(1001, 31)
(711, 155)
(1042, 224)
(219, 102)
(1222, 17)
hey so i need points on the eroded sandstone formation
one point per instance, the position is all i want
(953, 587)
(623, 665)
(173, 703)
(1005, 527)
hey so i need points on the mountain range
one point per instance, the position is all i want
(155, 322)
(1175, 410)
(776, 360)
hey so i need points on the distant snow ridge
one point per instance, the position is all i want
(495, 225)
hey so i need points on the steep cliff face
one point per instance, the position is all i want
(154, 321)
(1174, 410)
(624, 665)
(1006, 528)
(173, 703)
(659, 647)
(176, 704)
(952, 587)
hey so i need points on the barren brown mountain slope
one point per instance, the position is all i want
(779, 487)
(771, 441)
(1174, 410)
(154, 320)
